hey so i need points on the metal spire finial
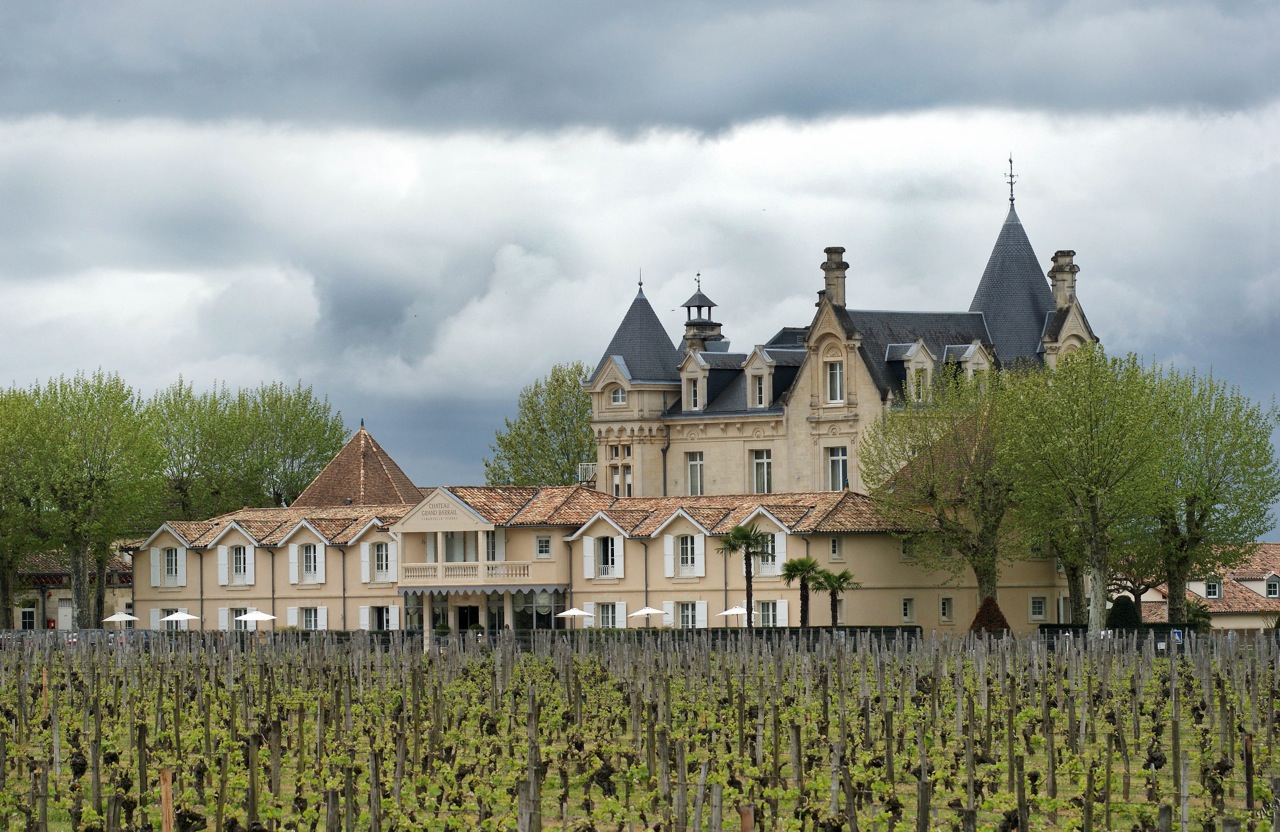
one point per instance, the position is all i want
(641, 278)
(1011, 178)
(697, 278)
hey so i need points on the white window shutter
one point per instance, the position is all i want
(780, 547)
(250, 555)
(668, 555)
(700, 555)
(291, 617)
(320, 552)
(364, 563)
(500, 544)
(182, 568)
(589, 607)
(183, 625)
(224, 618)
(588, 558)
(700, 614)
(322, 618)
(393, 561)
(364, 618)
(155, 616)
(156, 555)
(621, 614)
(619, 556)
(222, 566)
(293, 563)
(393, 617)
(668, 613)
(783, 619)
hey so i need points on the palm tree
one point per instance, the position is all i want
(835, 584)
(750, 541)
(806, 571)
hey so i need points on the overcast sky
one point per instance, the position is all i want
(417, 208)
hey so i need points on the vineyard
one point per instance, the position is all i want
(651, 730)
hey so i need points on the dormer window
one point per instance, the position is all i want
(1213, 588)
(1273, 587)
(918, 388)
(618, 396)
(691, 389)
(835, 382)
(757, 391)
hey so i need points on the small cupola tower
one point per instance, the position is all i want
(701, 334)
(834, 270)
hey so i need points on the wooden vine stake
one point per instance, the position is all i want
(166, 799)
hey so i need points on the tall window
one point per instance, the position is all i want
(688, 555)
(946, 609)
(688, 615)
(762, 472)
(768, 613)
(837, 468)
(171, 563)
(919, 380)
(382, 561)
(605, 558)
(694, 459)
(835, 381)
(170, 625)
(692, 387)
(757, 388)
(236, 623)
(310, 618)
(626, 480)
(28, 620)
(837, 548)
(310, 562)
(606, 616)
(769, 557)
(239, 564)
(908, 610)
(490, 545)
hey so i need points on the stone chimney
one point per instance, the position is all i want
(1062, 277)
(834, 271)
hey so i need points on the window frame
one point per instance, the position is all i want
(694, 403)
(836, 552)
(1273, 587)
(1213, 589)
(687, 615)
(169, 626)
(908, 610)
(539, 551)
(607, 610)
(239, 564)
(382, 561)
(761, 468)
(758, 392)
(947, 609)
(769, 556)
(618, 396)
(694, 469)
(238, 626)
(606, 558)
(171, 564)
(1043, 601)
(768, 614)
(835, 388)
(312, 613)
(23, 614)
(837, 460)
(687, 565)
(308, 551)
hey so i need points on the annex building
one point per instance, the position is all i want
(692, 441)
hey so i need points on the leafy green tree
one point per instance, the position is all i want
(936, 472)
(550, 435)
(288, 434)
(101, 468)
(1218, 480)
(806, 571)
(1124, 614)
(1083, 447)
(748, 541)
(835, 584)
(20, 496)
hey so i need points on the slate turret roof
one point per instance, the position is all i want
(645, 349)
(1014, 295)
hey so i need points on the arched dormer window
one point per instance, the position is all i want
(618, 396)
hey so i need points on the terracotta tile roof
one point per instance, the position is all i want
(1155, 612)
(1238, 599)
(628, 518)
(563, 505)
(360, 474)
(190, 530)
(1262, 564)
(852, 513)
(495, 503)
(268, 526)
(55, 563)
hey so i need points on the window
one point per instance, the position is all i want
(1039, 604)
(171, 565)
(615, 474)
(947, 609)
(840, 620)
(837, 549)
(835, 382)
(170, 625)
(691, 386)
(27, 620)
(235, 614)
(605, 558)
(1273, 587)
(310, 562)
(380, 618)
(542, 547)
(381, 562)
(688, 556)
(615, 451)
(618, 396)
(490, 545)
(757, 394)
(310, 618)
(626, 452)
(607, 616)
(919, 379)
(688, 615)
(239, 564)
(626, 479)
(762, 472)
(837, 469)
(908, 549)
(1213, 588)
(769, 557)
(694, 459)
(128, 608)
(768, 613)
(908, 610)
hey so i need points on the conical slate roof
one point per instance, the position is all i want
(1014, 294)
(643, 345)
(361, 474)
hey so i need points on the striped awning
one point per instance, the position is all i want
(481, 590)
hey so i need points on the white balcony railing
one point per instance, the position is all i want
(605, 570)
(496, 572)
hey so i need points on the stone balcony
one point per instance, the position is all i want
(481, 574)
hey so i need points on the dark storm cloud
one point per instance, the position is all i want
(540, 64)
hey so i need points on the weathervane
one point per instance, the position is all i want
(1010, 176)
(697, 278)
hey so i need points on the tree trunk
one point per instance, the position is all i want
(100, 588)
(1075, 594)
(1176, 581)
(1099, 576)
(746, 563)
(988, 581)
(835, 605)
(8, 576)
(804, 603)
(79, 558)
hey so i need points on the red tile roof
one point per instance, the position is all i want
(361, 474)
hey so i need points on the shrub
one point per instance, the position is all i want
(1124, 614)
(989, 618)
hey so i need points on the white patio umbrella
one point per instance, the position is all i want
(180, 616)
(256, 615)
(734, 611)
(646, 612)
(572, 613)
(119, 616)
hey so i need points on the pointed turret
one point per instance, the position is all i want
(360, 474)
(1014, 295)
(643, 346)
